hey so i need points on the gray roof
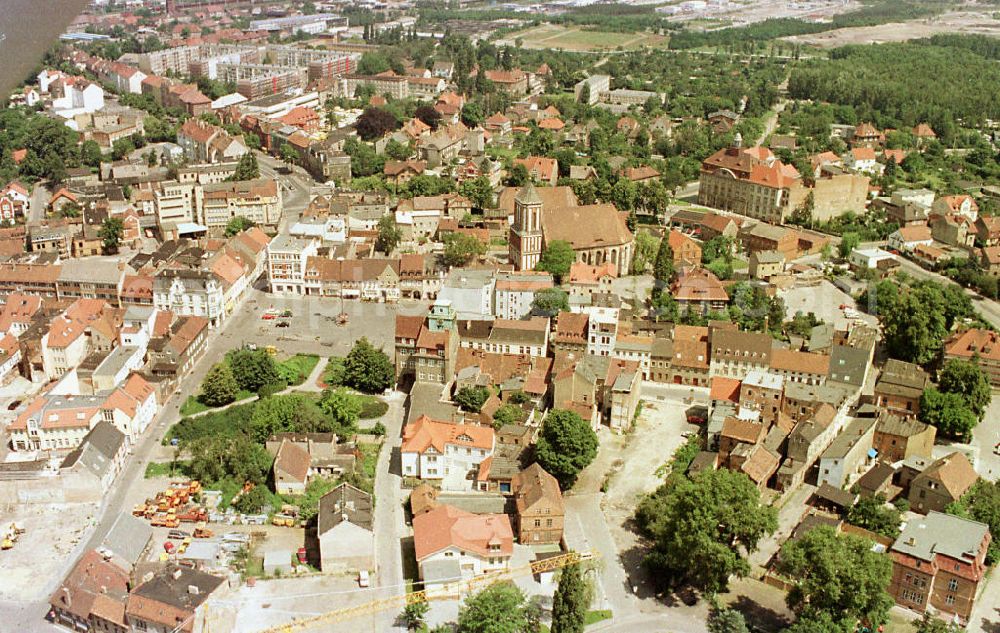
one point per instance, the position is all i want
(939, 533)
(172, 587)
(128, 537)
(92, 270)
(855, 432)
(848, 365)
(97, 450)
(528, 195)
(477, 503)
(441, 570)
(344, 503)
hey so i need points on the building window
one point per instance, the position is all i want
(952, 585)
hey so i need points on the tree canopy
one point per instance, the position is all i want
(837, 574)
(702, 527)
(368, 369)
(499, 608)
(556, 259)
(549, 302)
(565, 446)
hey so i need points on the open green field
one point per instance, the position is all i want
(575, 39)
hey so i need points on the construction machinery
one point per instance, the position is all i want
(202, 532)
(10, 536)
(446, 591)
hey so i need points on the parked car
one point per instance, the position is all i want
(695, 419)
(363, 579)
(268, 316)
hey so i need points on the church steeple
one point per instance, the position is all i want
(526, 231)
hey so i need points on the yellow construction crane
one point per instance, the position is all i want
(425, 595)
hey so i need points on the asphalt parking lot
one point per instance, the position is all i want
(312, 328)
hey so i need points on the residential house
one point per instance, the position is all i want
(899, 437)
(699, 291)
(766, 264)
(434, 449)
(849, 455)
(425, 350)
(800, 367)
(96, 462)
(345, 523)
(93, 596)
(735, 353)
(909, 237)
(539, 506)
(979, 346)
(687, 251)
(171, 600)
(540, 169)
(287, 260)
(900, 387)
(939, 563)
(291, 469)
(943, 482)
(514, 292)
(454, 544)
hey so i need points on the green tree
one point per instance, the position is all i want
(500, 608)
(253, 501)
(565, 446)
(344, 409)
(549, 302)
(818, 622)
(727, 620)
(472, 399)
(517, 175)
(111, 233)
(90, 153)
(397, 151)
(664, 307)
(914, 324)
(238, 224)
(288, 413)
(982, 503)
(414, 614)
(388, 236)
(247, 168)
(364, 160)
(479, 191)
(252, 369)
(219, 387)
(848, 242)
(930, 623)
(703, 528)
(969, 381)
(122, 148)
(507, 414)
(472, 114)
(288, 154)
(570, 601)
(663, 266)
(837, 574)
(367, 369)
(556, 259)
(872, 513)
(948, 412)
(461, 248)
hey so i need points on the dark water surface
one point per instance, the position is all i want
(30, 27)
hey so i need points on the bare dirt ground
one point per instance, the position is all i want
(51, 534)
(967, 22)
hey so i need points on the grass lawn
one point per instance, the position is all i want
(296, 369)
(333, 374)
(372, 407)
(369, 458)
(593, 617)
(165, 469)
(192, 405)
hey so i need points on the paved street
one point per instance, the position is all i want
(28, 616)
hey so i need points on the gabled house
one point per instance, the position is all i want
(434, 449)
(93, 596)
(539, 506)
(450, 543)
(345, 524)
(943, 482)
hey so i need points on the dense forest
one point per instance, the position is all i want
(900, 85)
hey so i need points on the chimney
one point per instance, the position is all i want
(911, 541)
(147, 576)
(177, 574)
(67, 597)
(193, 590)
